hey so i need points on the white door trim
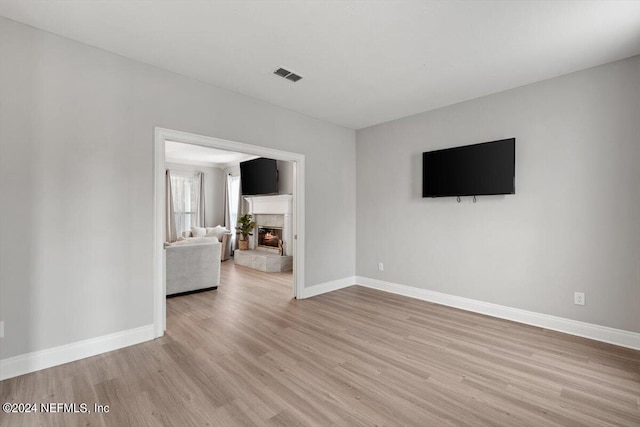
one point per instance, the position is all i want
(161, 136)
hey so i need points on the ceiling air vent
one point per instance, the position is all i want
(293, 77)
(283, 72)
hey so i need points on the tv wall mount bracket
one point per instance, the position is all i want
(474, 199)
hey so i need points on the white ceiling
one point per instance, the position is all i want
(177, 152)
(363, 62)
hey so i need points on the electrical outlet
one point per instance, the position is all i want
(2, 329)
(380, 266)
(578, 298)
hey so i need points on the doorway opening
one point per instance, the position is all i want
(296, 243)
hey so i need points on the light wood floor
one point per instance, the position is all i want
(248, 355)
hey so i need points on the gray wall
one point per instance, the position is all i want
(285, 177)
(232, 170)
(574, 224)
(76, 183)
(214, 183)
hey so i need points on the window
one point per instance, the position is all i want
(185, 192)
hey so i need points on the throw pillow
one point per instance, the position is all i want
(198, 231)
(217, 232)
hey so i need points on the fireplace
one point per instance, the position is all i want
(272, 214)
(269, 237)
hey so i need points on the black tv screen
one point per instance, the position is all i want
(259, 176)
(471, 170)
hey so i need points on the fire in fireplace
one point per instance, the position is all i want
(269, 236)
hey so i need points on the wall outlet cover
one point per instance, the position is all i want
(578, 298)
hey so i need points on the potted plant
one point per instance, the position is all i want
(245, 228)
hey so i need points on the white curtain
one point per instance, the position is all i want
(232, 207)
(170, 218)
(200, 202)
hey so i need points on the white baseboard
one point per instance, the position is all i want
(37, 360)
(560, 324)
(323, 288)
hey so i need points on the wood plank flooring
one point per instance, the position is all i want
(248, 355)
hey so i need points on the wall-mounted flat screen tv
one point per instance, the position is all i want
(259, 176)
(470, 170)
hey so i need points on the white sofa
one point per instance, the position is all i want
(192, 266)
(218, 232)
